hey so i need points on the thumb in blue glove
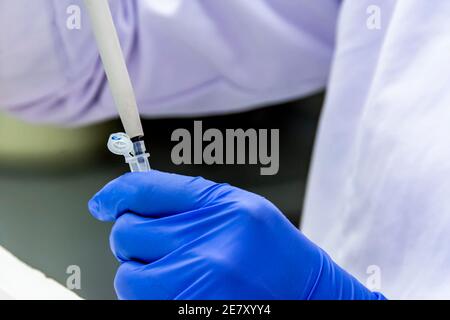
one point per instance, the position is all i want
(179, 237)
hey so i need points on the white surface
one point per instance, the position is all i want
(18, 281)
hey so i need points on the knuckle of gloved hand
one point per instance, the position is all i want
(119, 236)
(207, 186)
(198, 179)
(201, 183)
(220, 262)
(254, 208)
(125, 280)
(133, 281)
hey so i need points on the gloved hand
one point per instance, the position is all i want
(180, 237)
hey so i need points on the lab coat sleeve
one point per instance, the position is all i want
(184, 56)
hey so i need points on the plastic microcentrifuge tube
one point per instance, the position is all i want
(134, 152)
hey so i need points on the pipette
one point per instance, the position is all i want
(120, 84)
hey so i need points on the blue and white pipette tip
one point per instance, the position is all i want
(134, 151)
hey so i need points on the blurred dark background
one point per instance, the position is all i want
(47, 178)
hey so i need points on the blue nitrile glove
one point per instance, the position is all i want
(181, 237)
